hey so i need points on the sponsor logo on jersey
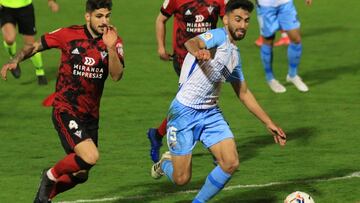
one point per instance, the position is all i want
(188, 13)
(103, 54)
(75, 51)
(199, 18)
(199, 27)
(210, 9)
(207, 36)
(87, 71)
(89, 61)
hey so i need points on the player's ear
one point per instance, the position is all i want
(226, 19)
(87, 17)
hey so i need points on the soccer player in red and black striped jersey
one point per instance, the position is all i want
(88, 54)
(191, 18)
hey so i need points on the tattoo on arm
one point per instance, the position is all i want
(27, 52)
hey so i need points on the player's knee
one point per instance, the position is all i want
(295, 39)
(181, 179)
(9, 40)
(230, 166)
(91, 158)
(80, 177)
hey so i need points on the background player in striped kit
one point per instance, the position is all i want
(194, 114)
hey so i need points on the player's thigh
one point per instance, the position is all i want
(216, 129)
(26, 20)
(268, 20)
(288, 18)
(182, 166)
(180, 129)
(87, 150)
(9, 32)
(29, 39)
(71, 130)
(225, 151)
(8, 24)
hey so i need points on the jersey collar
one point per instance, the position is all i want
(88, 34)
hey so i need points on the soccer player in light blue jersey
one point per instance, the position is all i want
(274, 15)
(213, 58)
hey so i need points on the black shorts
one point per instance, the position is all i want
(72, 130)
(23, 17)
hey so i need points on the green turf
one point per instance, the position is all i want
(323, 141)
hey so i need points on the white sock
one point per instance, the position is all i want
(50, 175)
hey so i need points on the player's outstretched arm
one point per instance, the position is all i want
(160, 28)
(248, 99)
(116, 67)
(26, 52)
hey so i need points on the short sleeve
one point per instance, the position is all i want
(236, 75)
(168, 8)
(54, 39)
(213, 38)
(120, 50)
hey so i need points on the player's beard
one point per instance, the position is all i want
(235, 36)
(94, 30)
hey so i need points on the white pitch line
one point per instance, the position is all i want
(350, 176)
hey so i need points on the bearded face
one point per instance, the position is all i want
(98, 20)
(237, 23)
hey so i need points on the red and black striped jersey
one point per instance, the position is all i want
(191, 18)
(83, 69)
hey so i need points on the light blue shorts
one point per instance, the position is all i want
(186, 126)
(271, 19)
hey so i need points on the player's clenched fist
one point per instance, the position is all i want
(203, 55)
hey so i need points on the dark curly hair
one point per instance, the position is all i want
(92, 5)
(235, 4)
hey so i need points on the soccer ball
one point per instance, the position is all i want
(299, 197)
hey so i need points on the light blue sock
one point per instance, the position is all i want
(266, 53)
(215, 182)
(168, 169)
(294, 55)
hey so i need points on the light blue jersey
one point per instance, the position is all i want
(194, 115)
(275, 16)
(200, 83)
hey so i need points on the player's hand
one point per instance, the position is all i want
(53, 6)
(277, 133)
(5, 68)
(164, 55)
(203, 55)
(110, 36)
(308, 2)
